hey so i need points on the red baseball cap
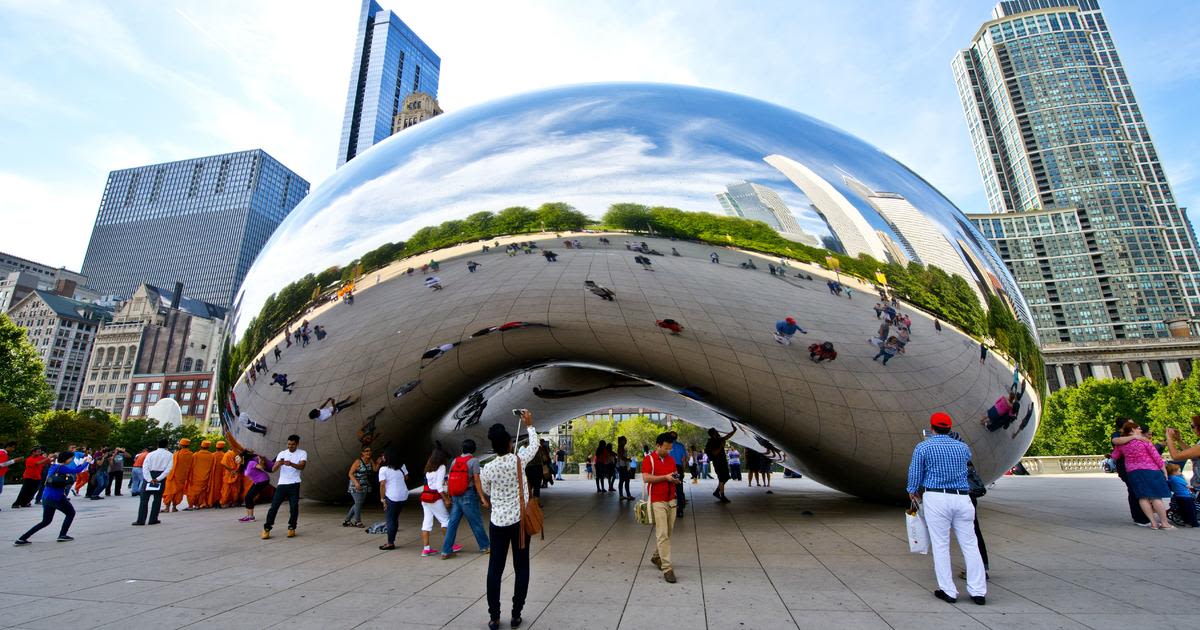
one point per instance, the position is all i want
(940, 420)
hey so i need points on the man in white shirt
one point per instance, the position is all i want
(154, 473)
(289, 463)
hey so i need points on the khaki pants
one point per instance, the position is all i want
(664, 524)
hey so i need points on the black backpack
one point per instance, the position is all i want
(59, 479)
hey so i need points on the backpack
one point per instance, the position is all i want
(59, 478)
(459, 479)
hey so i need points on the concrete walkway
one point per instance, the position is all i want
(1063, 555)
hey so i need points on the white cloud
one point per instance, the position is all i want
(39, 219)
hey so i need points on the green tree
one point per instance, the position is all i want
(1175, 404)
(58, 429)
(15, 427)
(1080, 420)
(22, 383)
(515, 220)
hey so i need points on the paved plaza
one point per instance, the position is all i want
(1063, 555)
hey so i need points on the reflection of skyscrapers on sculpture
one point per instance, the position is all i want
(759, 203)
(922, 238)
(845, 221)
(390, 62)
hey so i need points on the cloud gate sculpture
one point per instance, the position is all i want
(444, 277)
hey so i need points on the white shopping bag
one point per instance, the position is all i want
(918, 533)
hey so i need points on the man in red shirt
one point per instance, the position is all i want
(659, 473)
(34, 464)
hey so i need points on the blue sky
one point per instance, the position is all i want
(87, 87)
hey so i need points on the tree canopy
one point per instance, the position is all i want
(639, 430)
(22, 380)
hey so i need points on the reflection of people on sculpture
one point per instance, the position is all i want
(433, 354)
(331, 408)
(407, 387)
(671, 325)
(282, 381)
(508, 326)
(434, 283)
(824, 351)
(367, 433)
(1001, 414)
(785, 329)
(888, 349)
(251, 425)
(603, 292)
(469, 412)
(472, 265)
(550, 256)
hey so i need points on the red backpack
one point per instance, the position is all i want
(459, 479)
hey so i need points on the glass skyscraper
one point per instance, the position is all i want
(390, 62)
(1079, 207)
(200, 222)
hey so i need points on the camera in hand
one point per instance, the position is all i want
(518, 412)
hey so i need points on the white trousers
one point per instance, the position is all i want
(945, 512)
(437, 510)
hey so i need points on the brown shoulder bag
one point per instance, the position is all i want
(531, 511)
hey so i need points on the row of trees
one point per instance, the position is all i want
(1080, 420)
(946, 296)
(639, 430)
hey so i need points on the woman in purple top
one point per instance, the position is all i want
(258, 471)
(1146, 473)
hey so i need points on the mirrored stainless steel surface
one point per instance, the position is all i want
(412, 363)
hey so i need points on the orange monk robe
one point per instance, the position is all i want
(198, 482)
(231, 482)
(218, 478)
(177, 479)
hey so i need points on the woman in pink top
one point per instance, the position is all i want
(258, 471)
(1146, 473)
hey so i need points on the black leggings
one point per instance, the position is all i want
(253, 492)
(64, 505)
(502, 538)
(623, 484)
(979, 534)
(599, 475)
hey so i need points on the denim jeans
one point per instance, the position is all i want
(392, 517)
(136, 482)
(466, 505)
(289, 492)
(355, 513)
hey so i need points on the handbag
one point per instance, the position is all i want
(429, 495)
(918, 532)
(975, 483)
(59, 479)
(642, 511)
(532, 518)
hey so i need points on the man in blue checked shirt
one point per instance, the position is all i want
(937, 479)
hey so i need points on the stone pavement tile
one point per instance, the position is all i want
(161, 618)
(420, 610)
(808, 620)
(89, 615)
(293, 600)
(943, 620)
(238, 620)
(1138, 619)
(29, 611)
(1025, 621)
(160, 594)
(1059, 596)
(733, 595)
(118, 591)
(227, 598)
(561, 614)
(814, 590)
(10, 599)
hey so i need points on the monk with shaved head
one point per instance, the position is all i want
(177, 480)
(202, 475)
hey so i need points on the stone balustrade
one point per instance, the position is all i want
(1063, 465)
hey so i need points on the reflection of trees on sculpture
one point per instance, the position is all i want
(550, 394)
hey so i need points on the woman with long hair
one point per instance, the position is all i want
(361, 473)
(601, 457)
(258, 471)
(501, 482)
(622, 462)
(611, 457)
(435, 501)
(393, 492)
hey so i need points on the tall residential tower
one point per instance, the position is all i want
(390, 62)
(200, 222)
(1079, 207)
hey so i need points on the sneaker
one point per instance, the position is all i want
(426, 552)
(455, 548)
(64, 538)
(447, 556)
(20, 542)
(245, 519)
(266, 535)
(291, 533)
(486, 552)
(669, 576)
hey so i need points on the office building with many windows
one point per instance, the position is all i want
(1078, 206)
(200, 222)
(390, 62)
